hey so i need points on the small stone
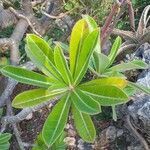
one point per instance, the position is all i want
(70, 141)
(40, 111)
(83, 145)
(80, 144)
(29, 116)
(50, 105)
(71, 133)
(67, 126)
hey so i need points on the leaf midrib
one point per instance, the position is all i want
(101, 96)
(49, 61)
(60, 117)
(83, 101)
(37, 81)
(81, 71)
(85, 125)
(31, 100)
(79, 49)
(65, 66)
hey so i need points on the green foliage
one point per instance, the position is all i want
(102, 66)
(84, 125)
(70, 4)
(102, 63)
(57, 120)
(58, 145)
(99, 9)
(4, 141)
(62, 80)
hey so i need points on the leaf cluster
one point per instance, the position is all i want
(62, 79)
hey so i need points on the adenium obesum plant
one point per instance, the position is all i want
(63, 80)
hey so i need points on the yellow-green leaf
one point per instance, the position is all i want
(107, 95)
(85, 103)
(27, 77)
(39, 52)
(62, 65)
(92, 25)
(85, 55)
(115, 81)
(76, 41)
(34, 97)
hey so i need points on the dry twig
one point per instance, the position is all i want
(135, 132)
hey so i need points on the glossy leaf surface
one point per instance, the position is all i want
(85, 55)
(115, 81)
(41, 56)
(106, 95)
(34, 97)
(27, 77)
(84, 125)
(85, 103)
(62, 65)
(76, 41)
(56, 121)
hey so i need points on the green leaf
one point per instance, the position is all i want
(113, 73)
(5, 146)
(34, 97)
(92, 25)
(39, 52)
(4, 141)
(41, 45)
(85, 55)
(62, 65)
(139, 87)
(107, 95)
(114, 50)
(115, 81)
(4, 138)
(36, 62)
(101, 62)
(76, 40)
(27, 77)
(58, 145)
(39, 143)
(129, 90)
(84, 125)
(56, 121)
(58, 86)
(85, 103)
(64, 46)
(135, 64)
